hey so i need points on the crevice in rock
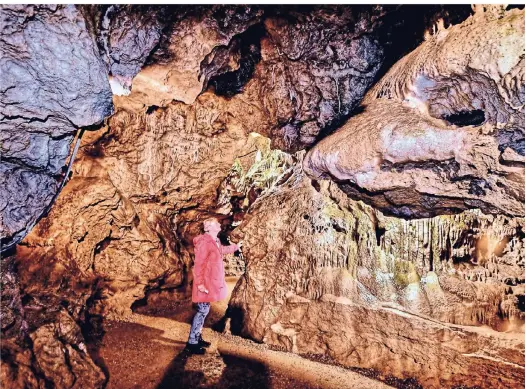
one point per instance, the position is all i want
(512, 6)
(467, 118)
(403, 27)
(102, 245)
(151, 109)
(379, 231)
(514, 139)
(520, 302)
(247, 45)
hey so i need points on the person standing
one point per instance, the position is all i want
(209, 280)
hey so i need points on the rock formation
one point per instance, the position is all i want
(52, 83)
(141, 182)
(42, 344)
(299, 70)
(210, 103)
(328, 275)
(293, 93)
(443, 131)
(193, 48)
(134, 185)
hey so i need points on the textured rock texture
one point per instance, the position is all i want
(195, 88)
(168, 53)
(140, 188)
(314, 70)
(294, 72)
(142, 183)
(443, 131)
(135, 184)
(234, 266)
(52, 82)
(328, 275)
(127, 35)
(297, 70)
(42, 345)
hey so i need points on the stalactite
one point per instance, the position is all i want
(417, 240)
(431, 247)
(409, 243)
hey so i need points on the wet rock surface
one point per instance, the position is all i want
(52, 83)
(443, 131)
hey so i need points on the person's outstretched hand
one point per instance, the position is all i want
(238, 246)
(202, 289)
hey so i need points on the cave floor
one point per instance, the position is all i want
(145, 352)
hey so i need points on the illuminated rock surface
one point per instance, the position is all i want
(327, 275)
(210, 103)
(52, 82)
(443, 131)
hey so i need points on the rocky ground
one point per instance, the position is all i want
(146, 351)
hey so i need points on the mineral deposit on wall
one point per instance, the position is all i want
(443, 130)
(213, 107)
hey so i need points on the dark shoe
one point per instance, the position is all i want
(203, 343)
(195, 349)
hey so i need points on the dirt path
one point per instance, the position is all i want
(146, 352)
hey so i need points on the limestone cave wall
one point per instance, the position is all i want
(372, 166)
(328, 275)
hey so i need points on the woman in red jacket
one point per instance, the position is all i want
(209, 279)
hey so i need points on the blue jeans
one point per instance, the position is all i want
(197, 323)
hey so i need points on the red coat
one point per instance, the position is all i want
(209, 269)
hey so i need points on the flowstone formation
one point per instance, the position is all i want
(144, 180)
(135, 184)
(443, 131)
(328, 275)
(121, 225)
(294, 72)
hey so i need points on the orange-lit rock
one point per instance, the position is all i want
(210, 102)
(422, 298)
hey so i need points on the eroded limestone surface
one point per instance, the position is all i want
(328, 275)
(443, 131)
(194, 90)
(298, 70)
(52, 82)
